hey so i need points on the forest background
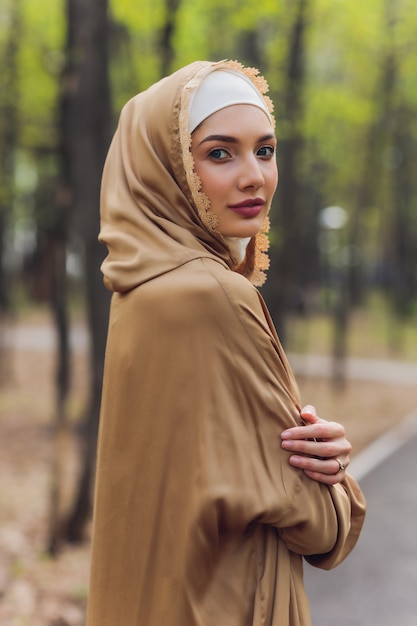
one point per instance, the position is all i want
(343, 276)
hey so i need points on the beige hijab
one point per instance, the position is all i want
(154, 215)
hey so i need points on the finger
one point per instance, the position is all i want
(326, 479)
(327, 449)
(322, 466)
(295, 432)
(324, 430)
(309, 409)
(318, 429)
(309, 413)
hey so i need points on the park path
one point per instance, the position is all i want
(376, 584)
(372, 370)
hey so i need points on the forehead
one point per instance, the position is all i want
(240, 119)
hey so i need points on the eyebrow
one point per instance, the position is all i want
(229, 139)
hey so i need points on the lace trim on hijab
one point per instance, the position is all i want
(256, 261)
(202, 202)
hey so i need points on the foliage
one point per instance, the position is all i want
(359, 96)
(40, 62)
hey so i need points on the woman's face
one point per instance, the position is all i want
(234, 156)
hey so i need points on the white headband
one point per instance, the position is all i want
(219, 89)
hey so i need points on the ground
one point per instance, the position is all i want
(36, 590)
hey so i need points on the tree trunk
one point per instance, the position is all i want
(87, 134)
(403, 234)
(9, 90)
(55, 256)
(285, 258)
(166, 42)
(396, 178)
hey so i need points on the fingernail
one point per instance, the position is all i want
(309, 408)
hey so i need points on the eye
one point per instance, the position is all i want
(218, 154)
(266, 151)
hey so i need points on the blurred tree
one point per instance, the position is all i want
(50, 271)
(166, 42)
(86, 134)
(288, 258)
(396, 168)
(9, 97)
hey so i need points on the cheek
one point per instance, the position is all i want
(273, 180)
(212, 184)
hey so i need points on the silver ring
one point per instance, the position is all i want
(342, 466)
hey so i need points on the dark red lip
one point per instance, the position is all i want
(248, 208)
(249, 202)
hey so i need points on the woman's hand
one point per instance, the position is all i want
(320, 448)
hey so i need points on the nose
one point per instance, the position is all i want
(251, 176)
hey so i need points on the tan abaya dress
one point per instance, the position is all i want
(199, 518)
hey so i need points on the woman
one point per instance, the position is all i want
(210, 490)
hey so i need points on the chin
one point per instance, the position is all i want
(248, 234)
(249, 228)
(239, 234)
(244, 231)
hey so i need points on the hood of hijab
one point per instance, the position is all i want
(154, 216)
